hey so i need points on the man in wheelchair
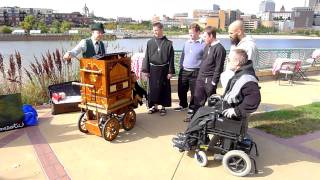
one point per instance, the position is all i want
(225, 116)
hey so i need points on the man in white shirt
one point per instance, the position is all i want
(89, 47)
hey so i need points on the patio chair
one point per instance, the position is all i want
(313, 61)
(315, 57)
(287, 71)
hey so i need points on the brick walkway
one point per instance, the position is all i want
(49, 161)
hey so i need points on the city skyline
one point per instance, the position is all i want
(135, 9)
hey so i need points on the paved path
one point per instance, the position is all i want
(55, 149)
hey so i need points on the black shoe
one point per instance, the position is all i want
(190, 112)
(181, 135)
(178, 141)
(189, 115)
(153, 110)
(182, 145)
(162, 111)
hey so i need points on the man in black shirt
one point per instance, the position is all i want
(210, 69)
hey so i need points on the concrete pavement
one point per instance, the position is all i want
(56, 149)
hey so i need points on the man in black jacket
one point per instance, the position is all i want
(241, 97)
(210, 69)
(241, 93)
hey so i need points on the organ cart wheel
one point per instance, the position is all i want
(201, 158)
(81, 122)
(111, 129)
(129, 120)
(237, 163)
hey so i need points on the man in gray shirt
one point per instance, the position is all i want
(89, 47)
(240, 41)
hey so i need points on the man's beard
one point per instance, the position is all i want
(235, 41)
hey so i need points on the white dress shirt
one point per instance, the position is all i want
(82, 47)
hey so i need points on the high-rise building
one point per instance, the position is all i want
(302, 17)
(232, 15)
(267, 6)
(216, 7)
(315, 5)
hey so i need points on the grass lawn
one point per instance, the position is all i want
(288, 122)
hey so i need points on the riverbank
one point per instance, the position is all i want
(224, 36)
(40, 37)
(66, 37)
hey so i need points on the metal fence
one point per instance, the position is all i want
(266, 57)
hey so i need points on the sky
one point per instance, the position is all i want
(145, 9)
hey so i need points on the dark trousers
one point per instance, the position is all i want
(186, 81)
(203, 90)
(159, 91)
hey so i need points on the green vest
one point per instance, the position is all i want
(90, 52)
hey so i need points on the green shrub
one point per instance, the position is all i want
(6, 30)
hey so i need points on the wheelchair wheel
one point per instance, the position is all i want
(81, 122)
(201, 158)
(129, 120)
(111, 129)
(237, 162)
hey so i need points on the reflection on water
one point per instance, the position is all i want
(29, 49)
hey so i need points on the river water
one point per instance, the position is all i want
(31, 49)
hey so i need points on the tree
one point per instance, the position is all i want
(263, 29)
(55, 26)
(28, 23)
(112, 25)
(42, 26)
(307, 32)
(226, 29)
(65, 26)
(6, 30)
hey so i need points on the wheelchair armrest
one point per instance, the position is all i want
(204, 121)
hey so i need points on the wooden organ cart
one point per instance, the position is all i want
(106, 92)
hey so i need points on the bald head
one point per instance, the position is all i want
(238, 25)
(236, 32)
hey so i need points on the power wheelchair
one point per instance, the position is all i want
(209, 130)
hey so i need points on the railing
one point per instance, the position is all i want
(266, 57)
